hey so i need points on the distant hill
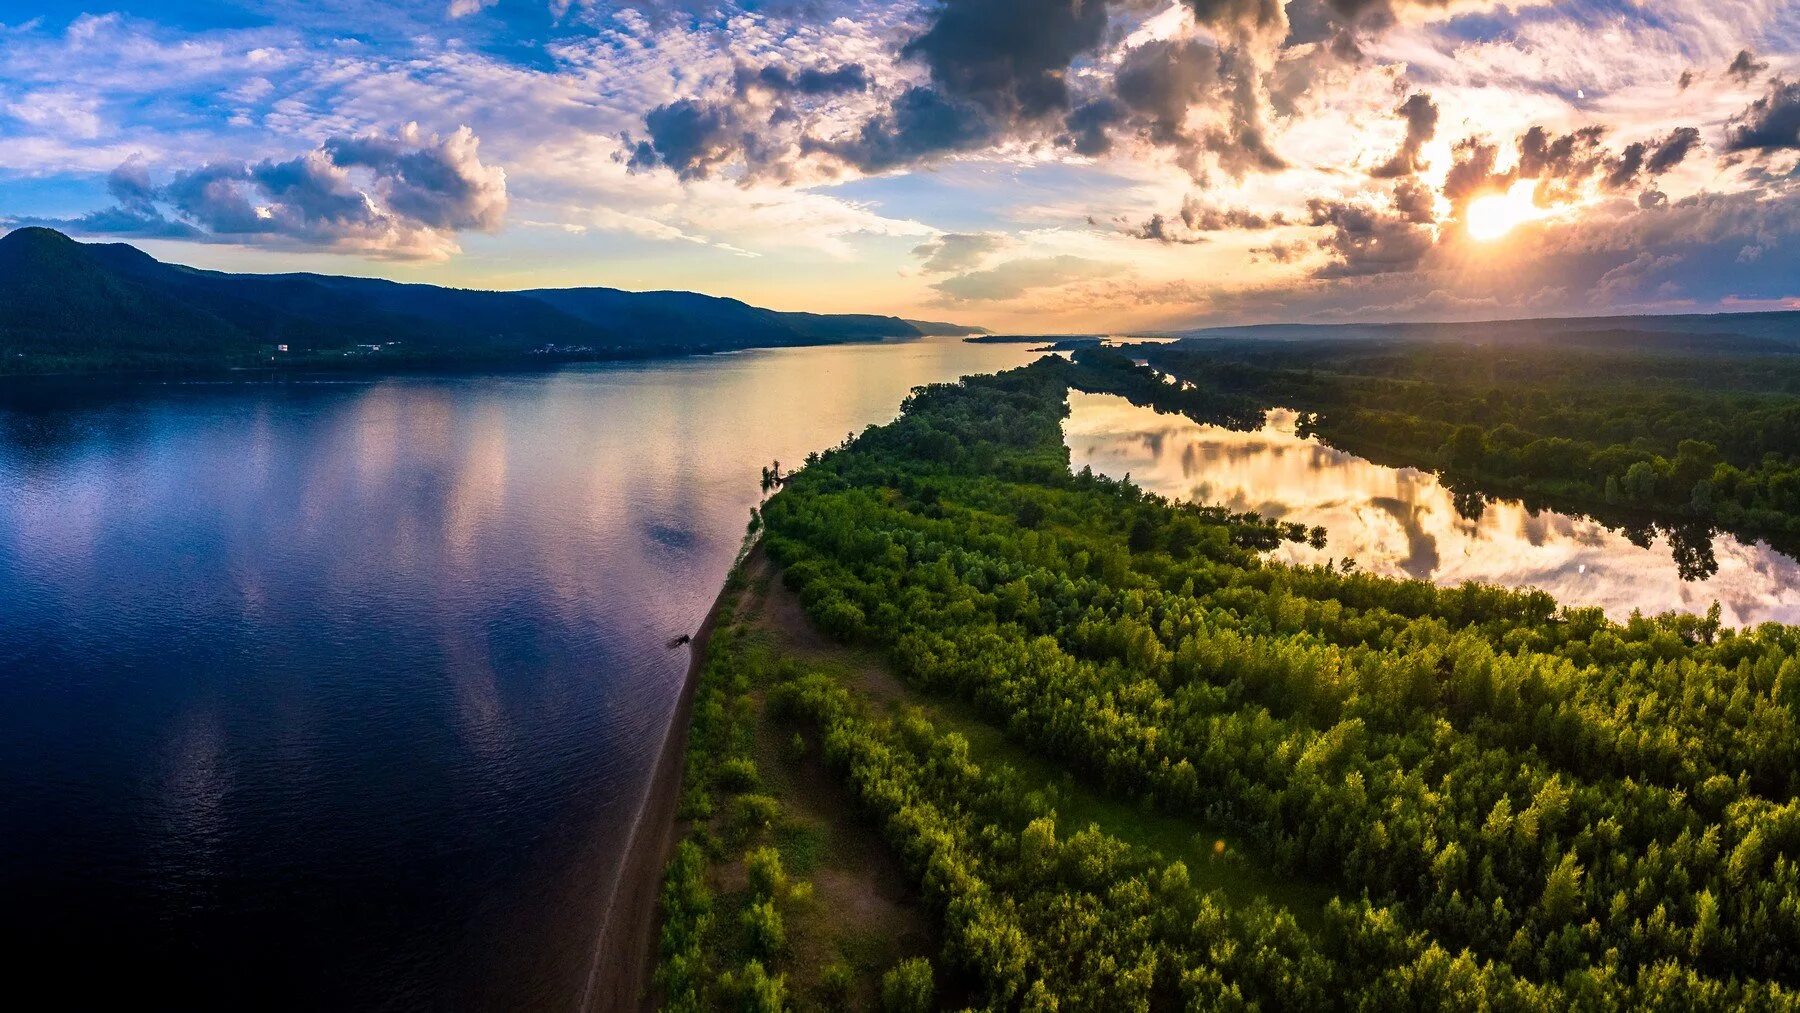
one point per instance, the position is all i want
(1746, 333)
(71, 305)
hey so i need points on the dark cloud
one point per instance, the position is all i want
(956, 251)
(1415, 202)
(1472, 171)
(691, 137)
(1672, 150)
(1561, 164)
(1745, 67)
(1197, 218)
(812, 82)
(1205, 218)
(1009, 58)
(439, 184)
(1244, 146)
(1571, 156)
(1421, 115)
(1622, 171)
(403, 194)
(1769, 123)
(1160, 81)
(1163, 230)
(1654, 157)
(999, 68)
(1685, 81)
(921, 124)
(1246, 17)
(1366, 240)
(1087, 127)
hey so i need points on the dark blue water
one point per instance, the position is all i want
(343, 694)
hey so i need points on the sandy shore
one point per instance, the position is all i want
(625, 956)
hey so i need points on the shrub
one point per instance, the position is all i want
(756, 812)
(907, 988)
(767, 879)
(836, 983)
(763, 928)
(738, 774)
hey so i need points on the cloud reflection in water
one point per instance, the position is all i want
(1403, 522)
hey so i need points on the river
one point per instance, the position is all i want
(1403, 522)
(340, 693)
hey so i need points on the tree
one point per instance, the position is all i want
(907, 987)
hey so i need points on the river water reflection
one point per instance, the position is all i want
(341, 694)
(1405, 523)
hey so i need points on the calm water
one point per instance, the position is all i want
(1404, 523)
(343, 693)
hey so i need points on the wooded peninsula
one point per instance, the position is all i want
(976, 731)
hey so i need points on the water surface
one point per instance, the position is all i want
(342, 693)
(1402, 522)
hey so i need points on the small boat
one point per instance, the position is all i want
(675, 642)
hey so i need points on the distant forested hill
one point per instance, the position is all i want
(66, 305)
(1681, 332)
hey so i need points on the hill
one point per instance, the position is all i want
(66, 305)
(1747, 333)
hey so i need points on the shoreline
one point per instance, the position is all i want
(625, 952)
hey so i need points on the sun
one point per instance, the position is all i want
(1493, 215)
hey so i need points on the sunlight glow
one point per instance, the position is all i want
(1493, 215)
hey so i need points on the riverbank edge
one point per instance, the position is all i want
(626, 953)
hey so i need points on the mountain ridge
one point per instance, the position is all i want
(65, 304)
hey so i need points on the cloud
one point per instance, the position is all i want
(921, 124)
(809, 81)
(1197, 217)
(955, 251)
(1163, 230)
(691, 137)
(1189, 96)
(1208, 218)
(1672, 150)
(1421, 115)
(1159, 82)
(1366, 240)
(1563, 164)
(1009, 58)
(1769, 123)
(1016, 277)
(1745, 67)
(402, 195)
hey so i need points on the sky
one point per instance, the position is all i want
(1025, 165)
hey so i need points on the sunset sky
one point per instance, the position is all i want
(1053, 165)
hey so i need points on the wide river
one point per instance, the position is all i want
(344, 693)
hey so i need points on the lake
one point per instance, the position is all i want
(1402, 522)
(344, 692)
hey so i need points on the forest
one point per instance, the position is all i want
(1689, 432)
(1507, 804)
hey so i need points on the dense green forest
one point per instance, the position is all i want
(1512, 805)
(1682, 430)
